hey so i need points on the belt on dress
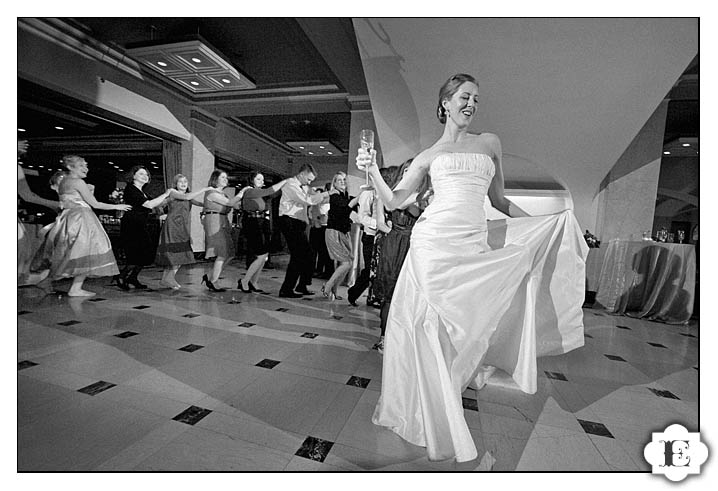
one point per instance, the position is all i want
(215, 212)
(256, 214)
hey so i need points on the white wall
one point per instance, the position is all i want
(569, 94)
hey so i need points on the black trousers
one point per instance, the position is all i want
(300, 265)
(322, 263)
(362, 282)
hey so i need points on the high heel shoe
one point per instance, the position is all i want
(120, 281)
(324, 290)
(210, 286)
(136, 283)
(253, 288)
(241, 287)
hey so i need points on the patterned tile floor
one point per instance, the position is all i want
(194, 381)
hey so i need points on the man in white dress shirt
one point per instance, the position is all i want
(293, 220)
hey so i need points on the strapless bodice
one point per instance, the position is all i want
(460, 182)
(461, 175)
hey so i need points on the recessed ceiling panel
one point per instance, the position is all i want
(193, 64)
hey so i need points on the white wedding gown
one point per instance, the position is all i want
(472, 298)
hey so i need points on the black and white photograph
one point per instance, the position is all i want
(344, 244)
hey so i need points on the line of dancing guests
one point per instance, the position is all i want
(77, 246)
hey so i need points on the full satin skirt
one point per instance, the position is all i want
(474, 305)
(76, 245)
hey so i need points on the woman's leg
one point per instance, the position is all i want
(217, 268)
(255, 268)
(338, 276)
(168, 275)
(76, 288)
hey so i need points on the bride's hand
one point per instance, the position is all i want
(366, 159)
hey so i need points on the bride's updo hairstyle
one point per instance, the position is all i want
(448, 90)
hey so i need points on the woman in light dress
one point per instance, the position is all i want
(77, 245)
(440, 325)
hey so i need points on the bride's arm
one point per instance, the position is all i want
(409, 183)
(496, 188)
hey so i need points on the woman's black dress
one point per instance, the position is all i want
(394, 248)
(136, 241)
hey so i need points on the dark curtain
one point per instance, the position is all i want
(172, 160)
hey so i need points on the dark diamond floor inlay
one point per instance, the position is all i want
(614, 357)
(191, 347)
(588, 336)
(282, 309)
(97, 299)
(624, 327)
(696, 368)
(96, 388)
(245, 324)
(664, 393)
(593, 428)
(192, 415)
(21, 365)
(267, 363)
(307, 299)
(688, 335)
(657, 345)
(361, 382)
(470, 404)
(23, 312)
(234, 302)
(310, 335)
(126, 334)
(337, 317)
(314, 449)
(556, 376)
(141, 307)
(191, 316)
(68, 323)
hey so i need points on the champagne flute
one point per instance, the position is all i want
(681, 236)
(366, 140)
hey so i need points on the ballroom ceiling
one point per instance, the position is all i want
(304, 69)
(313, 62)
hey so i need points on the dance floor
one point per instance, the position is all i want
(189, 380)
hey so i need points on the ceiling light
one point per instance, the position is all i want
(192, 60)
(686, 144)
(194, 83)
(153, 163)
(322, 147)
(161, 63)
(59, 128)
(666, 153)
(20, 129)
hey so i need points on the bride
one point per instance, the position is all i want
(450, 324)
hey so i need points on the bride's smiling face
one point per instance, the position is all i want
(462, 106)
